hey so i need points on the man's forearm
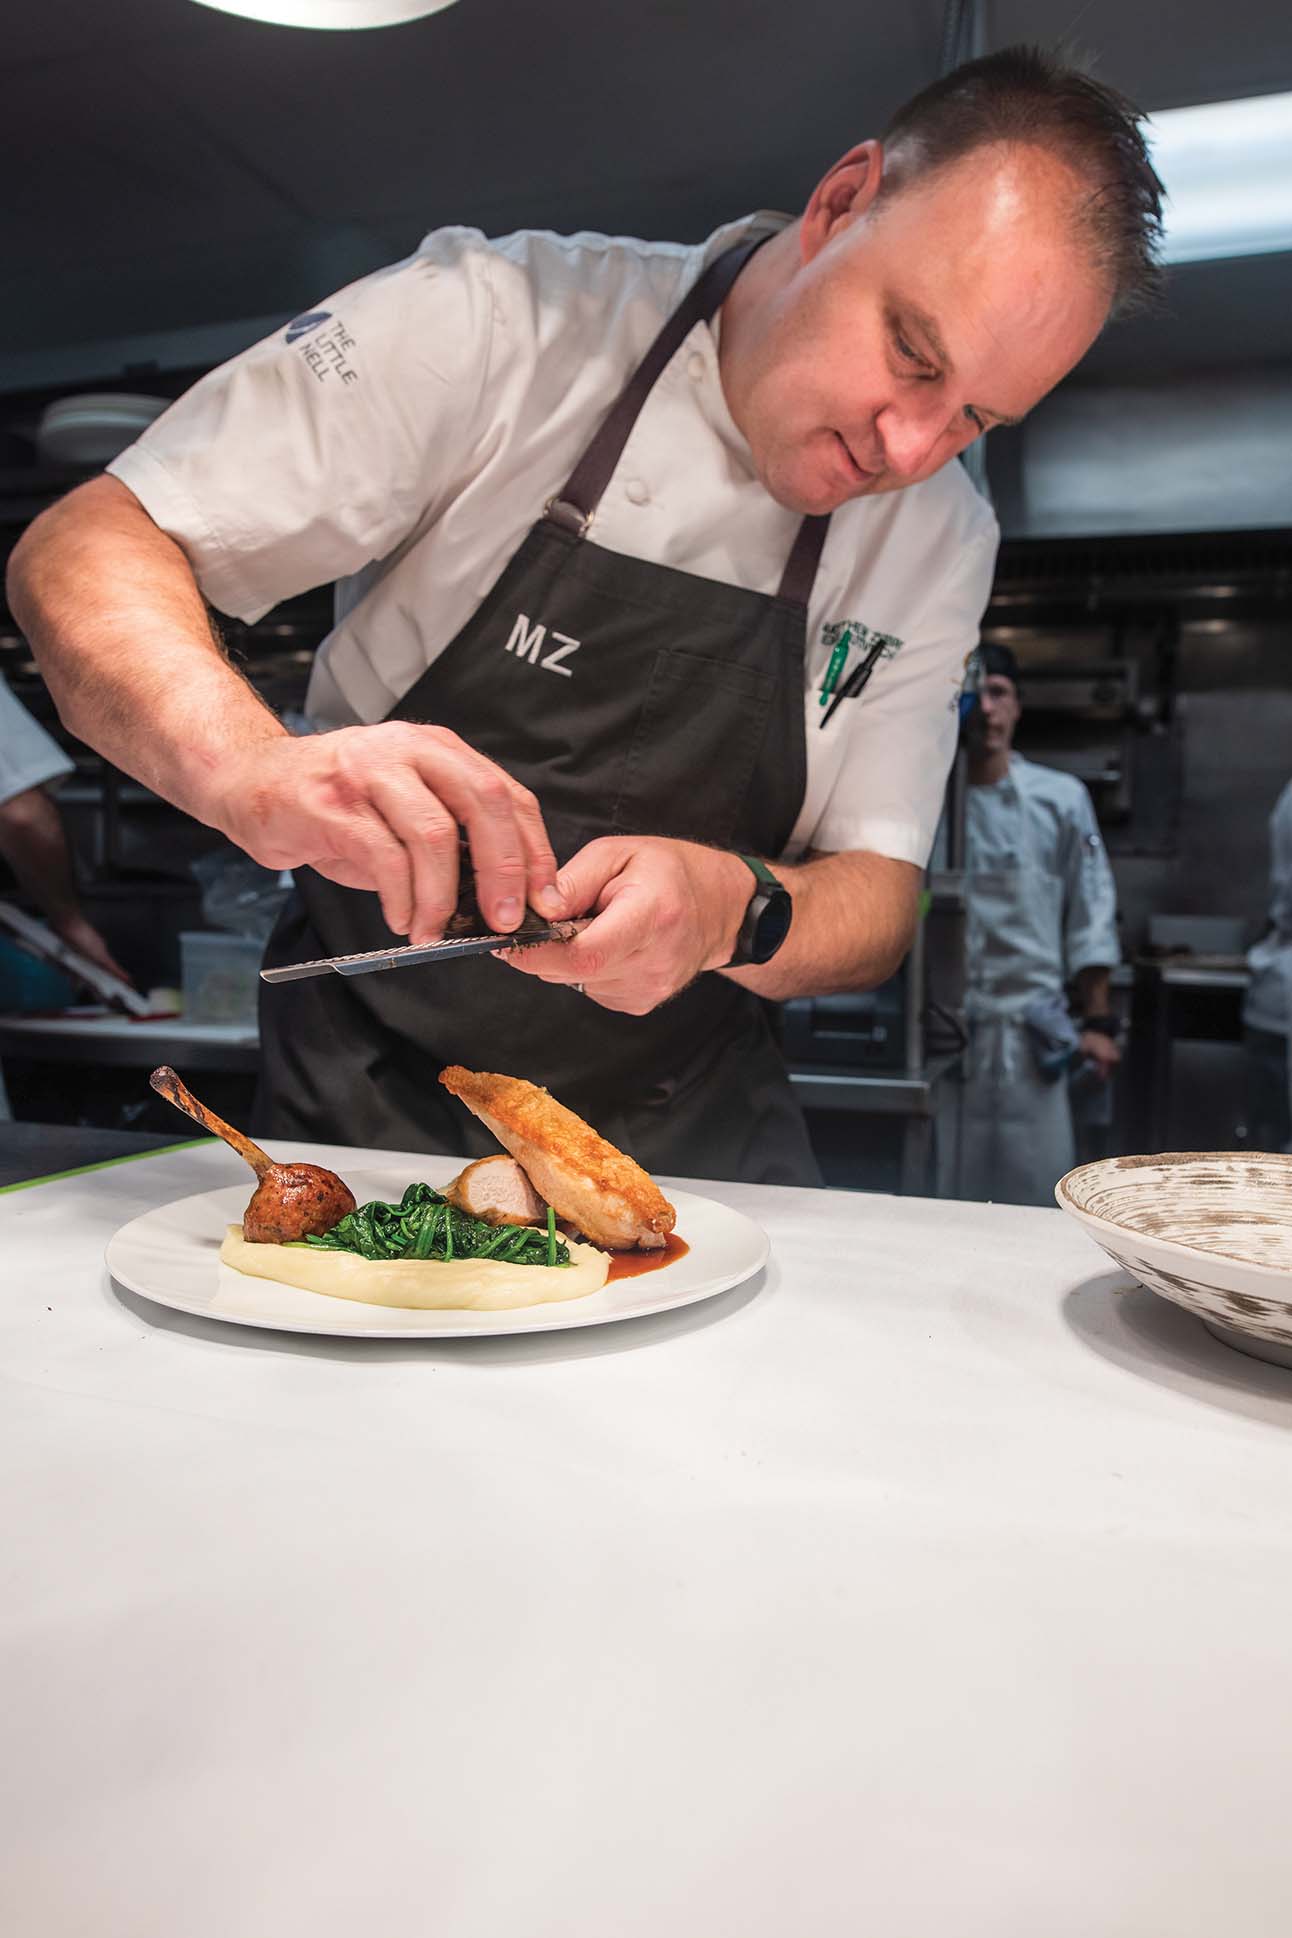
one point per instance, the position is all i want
(854, 916)
(115, 619)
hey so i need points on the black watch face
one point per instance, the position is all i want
(772, 925)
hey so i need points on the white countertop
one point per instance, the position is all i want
(931, 1586)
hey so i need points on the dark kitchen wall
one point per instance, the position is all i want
(181, 179)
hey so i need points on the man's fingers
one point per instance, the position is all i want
(429, 836)
(541, 891)
(484, 801)
(602, 948)
(588, 874)
(372, 858)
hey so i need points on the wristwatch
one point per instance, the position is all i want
(767, 918)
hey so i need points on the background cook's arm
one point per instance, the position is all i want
(1090, 941)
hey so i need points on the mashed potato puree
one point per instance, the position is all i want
(427, 1284)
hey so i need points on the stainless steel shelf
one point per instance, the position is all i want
(882, 1094)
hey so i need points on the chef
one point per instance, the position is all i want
(1267, 1009)
(655, 579)
(1042, 917)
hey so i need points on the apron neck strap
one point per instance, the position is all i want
(572, 507)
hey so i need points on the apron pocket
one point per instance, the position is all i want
(705, 721)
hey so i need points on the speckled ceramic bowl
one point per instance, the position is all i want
(1211, 1230)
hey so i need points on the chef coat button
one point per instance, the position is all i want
(636, 493)
(695, 366)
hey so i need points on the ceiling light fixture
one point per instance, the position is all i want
(329, 13)
(1227, 169)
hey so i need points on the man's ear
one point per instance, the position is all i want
(842, 196)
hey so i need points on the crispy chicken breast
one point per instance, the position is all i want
(586, 1180)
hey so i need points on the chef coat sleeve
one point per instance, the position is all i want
(888, 796)
(28, 757)
(1089, 893)
(323, 447)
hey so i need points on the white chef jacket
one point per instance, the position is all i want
(1042, 901)
(1269, 997)
(404, 436)
(28, 757)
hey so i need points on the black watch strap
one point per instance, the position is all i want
(767, 919)
(763, 874)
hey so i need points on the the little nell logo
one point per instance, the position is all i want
(304, 324)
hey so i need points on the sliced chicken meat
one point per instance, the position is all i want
(497, 1190)
(604, 1194)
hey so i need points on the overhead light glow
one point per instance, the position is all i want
(329, 13)
(1227, 170)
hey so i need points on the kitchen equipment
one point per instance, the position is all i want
(91, 430)
(1209, 1230)
(218, 973)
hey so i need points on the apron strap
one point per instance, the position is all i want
(572, 507)
(805, 555)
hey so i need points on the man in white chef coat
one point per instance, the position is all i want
(1267, 1010)
(616, 528)
(1042, 921)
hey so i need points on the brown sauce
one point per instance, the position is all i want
(630, 1265)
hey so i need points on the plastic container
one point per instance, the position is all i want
(220, 974)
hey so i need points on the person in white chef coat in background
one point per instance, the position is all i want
(1267, 1011)
(33, 842)
(1042, 921)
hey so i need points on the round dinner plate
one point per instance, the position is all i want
(171, 1255)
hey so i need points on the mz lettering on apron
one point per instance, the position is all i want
(527, 642)
(685, 720)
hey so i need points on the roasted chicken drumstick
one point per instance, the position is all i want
(291, 1200)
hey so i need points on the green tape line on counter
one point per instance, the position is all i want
(104, 1164)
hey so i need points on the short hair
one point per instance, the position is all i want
(1028, 95)
(998, 661)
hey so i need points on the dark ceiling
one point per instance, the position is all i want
(184, 171)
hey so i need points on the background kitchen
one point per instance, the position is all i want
(186, 181)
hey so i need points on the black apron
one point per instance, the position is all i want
(669, 705)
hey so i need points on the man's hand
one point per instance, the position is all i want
(380, 808)
(1101, 1052)
(662, 912)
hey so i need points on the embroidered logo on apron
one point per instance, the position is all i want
(527, 642)
(864, 638)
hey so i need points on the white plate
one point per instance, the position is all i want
(171, 1255)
